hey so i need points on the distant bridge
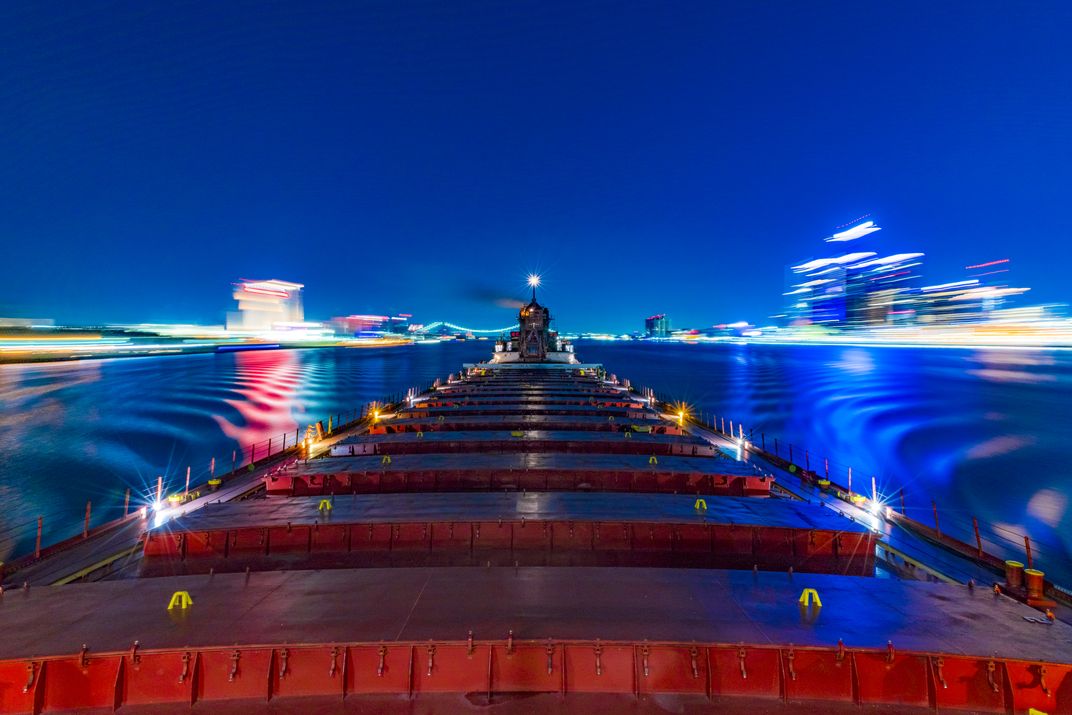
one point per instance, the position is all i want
(431, 327)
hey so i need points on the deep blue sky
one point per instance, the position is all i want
(424, 156)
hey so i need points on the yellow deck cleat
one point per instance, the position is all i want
(180, 599)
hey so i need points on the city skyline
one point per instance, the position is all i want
(387, 157)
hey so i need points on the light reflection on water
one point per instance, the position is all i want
(77, 431)
(981, 432)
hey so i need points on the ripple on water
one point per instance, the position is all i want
(983, 433)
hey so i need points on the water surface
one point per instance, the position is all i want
(982, 433)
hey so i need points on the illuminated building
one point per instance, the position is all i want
(853, 290)
(267, 305)
(359, 324)
(864, 290)
(657, 326)
(365, 325)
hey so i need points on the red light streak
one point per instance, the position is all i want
(265, 291)
(986, 265)
(891, 275)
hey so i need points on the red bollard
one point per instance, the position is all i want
(1035, 582)
(1014, 574)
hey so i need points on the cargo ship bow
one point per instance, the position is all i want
(529, 535)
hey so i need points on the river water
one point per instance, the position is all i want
(982, 433)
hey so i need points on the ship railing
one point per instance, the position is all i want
(987, 543)
(53, 531)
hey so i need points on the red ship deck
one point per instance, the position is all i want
(524, 472)
(562, 529)
(565, 441)
(434, 633)
(635, 632)
(595, 423)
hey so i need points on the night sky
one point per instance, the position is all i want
(425, 156)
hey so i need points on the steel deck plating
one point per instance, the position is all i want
(567, 529)
(419, 631)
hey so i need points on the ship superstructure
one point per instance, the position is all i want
(529, 535)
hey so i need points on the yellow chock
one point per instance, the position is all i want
(807, 595)
(180, 599)
(386, 459)
(1033, 711)
(325, 505)
(516, 433)
(653, 459)
(700, 505)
